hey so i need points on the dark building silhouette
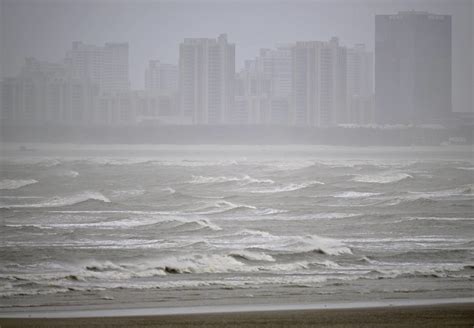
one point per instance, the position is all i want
(412, 67)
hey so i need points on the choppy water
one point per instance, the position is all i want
(83, 224)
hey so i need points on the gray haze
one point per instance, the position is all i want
(169, 154)
(154, 29)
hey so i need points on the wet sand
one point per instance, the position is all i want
(451, 315)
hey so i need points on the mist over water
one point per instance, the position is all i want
(222, 224)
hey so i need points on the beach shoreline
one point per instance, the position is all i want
(409, 315)
(137, 310)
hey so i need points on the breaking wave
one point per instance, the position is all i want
(65, 201)
(382, 178)
(446, 193)
(170, 223)
(355, 194)
(220, 207)
(222, 179)
(252, 256)
(255, 239)
(67, 173)
(15, 184)
(288, 187)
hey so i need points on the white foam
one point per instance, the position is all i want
(67, 173)
(221, 206)
(253, 255)
(169, 190)
(440, 270)
(382, 178)
(268, 215)
(9, 184)
(245, 179)
(64, 201)
(176, 222)
(202, 264)
(201, 223)
(129, 193)
(433, 218)
(470, 168)
(254, 239)
(355, 194)
(465, 191)
(288, 187)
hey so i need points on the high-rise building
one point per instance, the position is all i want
(106, 66)
(206, 79)
(44, 94)
(115, 74)
(360, 86)
(264, 88)
(412, 67)
(160, 77)
(319, 83)
(159, 101)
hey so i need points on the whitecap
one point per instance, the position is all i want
(169, 190)
(245, 179)
(355, 194)
(288, 187)
(67, 173)
(9, 184)
(252, 256)
(64, 201)
(382, 178)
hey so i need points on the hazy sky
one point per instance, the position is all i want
(46, 28)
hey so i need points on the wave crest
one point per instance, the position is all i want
(9, 184)
(65, 201)
(223, 179)
(382, 178)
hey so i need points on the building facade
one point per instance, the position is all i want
(412, 67)
(160, 77)
(206, 79)
(106, 66)
(319, 83)
(44, 93)
(360, 86)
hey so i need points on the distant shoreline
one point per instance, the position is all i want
(238, 135)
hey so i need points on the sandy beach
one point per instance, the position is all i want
(450, 315)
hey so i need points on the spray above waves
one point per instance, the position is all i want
(64, 201)
(9, 184)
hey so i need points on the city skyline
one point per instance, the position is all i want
(162, 25)
(312, 83)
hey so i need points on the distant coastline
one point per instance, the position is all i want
(238, 135)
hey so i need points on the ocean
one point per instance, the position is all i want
(166, 225)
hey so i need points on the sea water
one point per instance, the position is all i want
(192, 225)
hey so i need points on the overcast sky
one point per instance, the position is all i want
(154, 29)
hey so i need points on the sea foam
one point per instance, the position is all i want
(65, 200)
(382, 178)
(9, 184)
